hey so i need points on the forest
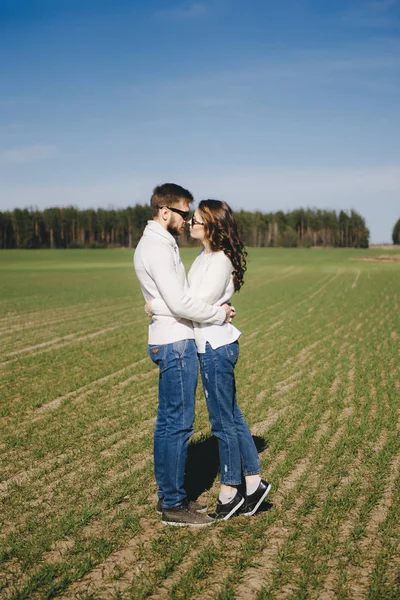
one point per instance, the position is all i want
(70, 227)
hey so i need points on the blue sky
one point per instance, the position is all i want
(266, 105)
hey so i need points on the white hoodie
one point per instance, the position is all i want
(162, 275)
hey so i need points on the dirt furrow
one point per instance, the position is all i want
(72, 315)
(79, 393)
(370, 546)
(278, 532)
(68, 340)
(354, 284)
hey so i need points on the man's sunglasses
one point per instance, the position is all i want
(184, 213)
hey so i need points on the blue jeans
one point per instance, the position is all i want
(237, 451)
(175, 416)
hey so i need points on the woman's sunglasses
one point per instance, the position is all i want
(193, 221)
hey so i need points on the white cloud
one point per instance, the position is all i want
(27, 154)
(183, 12)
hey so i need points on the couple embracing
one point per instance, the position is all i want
(192, 323)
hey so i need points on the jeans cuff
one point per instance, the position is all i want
(252, 473)
(232, 483)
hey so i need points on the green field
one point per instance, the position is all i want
(318, 381)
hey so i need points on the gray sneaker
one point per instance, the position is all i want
(193, 505)
(182, 516)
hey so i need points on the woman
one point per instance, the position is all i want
(215, 275)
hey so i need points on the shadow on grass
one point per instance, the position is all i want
(202, 466)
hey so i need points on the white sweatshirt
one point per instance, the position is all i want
(162, 276)
(210, 279)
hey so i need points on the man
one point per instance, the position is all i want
(172, 347)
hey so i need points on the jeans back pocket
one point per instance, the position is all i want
(156, 352)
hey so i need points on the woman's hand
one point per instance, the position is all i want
(230, 312)
(147, 309)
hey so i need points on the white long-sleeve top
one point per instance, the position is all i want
(162, 276)
(210, 279)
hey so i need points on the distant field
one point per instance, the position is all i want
(318, 380)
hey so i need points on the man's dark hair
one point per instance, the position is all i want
(168, 194)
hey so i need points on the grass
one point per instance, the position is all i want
(318, 380)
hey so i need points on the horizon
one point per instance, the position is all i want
(268, 107)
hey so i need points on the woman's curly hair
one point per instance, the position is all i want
(221, 231)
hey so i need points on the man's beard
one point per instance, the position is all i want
(174, 231)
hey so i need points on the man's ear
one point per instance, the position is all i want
(164, 212)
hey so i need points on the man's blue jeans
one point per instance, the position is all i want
(174, 425)
(237, 451)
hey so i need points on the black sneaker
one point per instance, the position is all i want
(182, 516)
(254, 500)
(225, 511)
(194, 506)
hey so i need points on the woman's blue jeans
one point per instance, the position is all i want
(237, 451)
(175, 416)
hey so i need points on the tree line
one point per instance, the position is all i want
(70, 227)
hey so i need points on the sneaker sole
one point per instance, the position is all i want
(228, 516)
(202, 511)
(249, 514)
(180, 524)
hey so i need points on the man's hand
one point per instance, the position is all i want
(147, 309)
(230, 312)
